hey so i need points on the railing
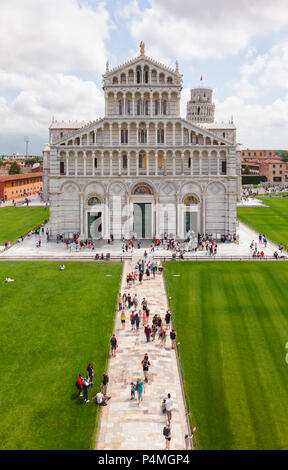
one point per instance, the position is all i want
(186, 257)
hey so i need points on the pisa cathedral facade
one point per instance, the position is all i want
(142, 169)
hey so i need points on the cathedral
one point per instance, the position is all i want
(142, 169)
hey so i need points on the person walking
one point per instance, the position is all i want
(146, 364)
(123, 319)
(90, 373)
(167, 435)
(140, 388)
(132, 319)
(113, 342)
(168, 319)
(104, 384)
(137, 321)
(172, 337)
(169, 407)
(147, 333)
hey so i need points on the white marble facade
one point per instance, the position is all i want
(142, 168)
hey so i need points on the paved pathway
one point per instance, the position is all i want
(124, 424)
(27, 249)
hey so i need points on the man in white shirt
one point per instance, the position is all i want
(169, 407)
(101, 399)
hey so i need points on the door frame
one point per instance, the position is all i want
(143, 199)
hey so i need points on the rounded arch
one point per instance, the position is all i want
(192, 187)
(93, 199)
(93, 187)
(191, 199)
(117, 188)
(143, 188)
(69, 184)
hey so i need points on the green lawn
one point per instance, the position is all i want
(272, 220)
(232, 324)
(52, 324)
(17, 221)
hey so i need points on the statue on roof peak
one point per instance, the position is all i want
(142, 48)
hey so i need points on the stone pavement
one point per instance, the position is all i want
(124, 424)
(27, 249)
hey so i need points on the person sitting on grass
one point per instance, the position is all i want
(100, 399)
(62, 267)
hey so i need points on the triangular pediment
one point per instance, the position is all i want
(143, 60)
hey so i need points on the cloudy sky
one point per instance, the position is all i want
(53, 53)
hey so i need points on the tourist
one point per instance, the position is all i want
(189, 440)
(135, 301)
(123, 319)
(113, 342)
(169, 407)
(147, 311)
(90, 373)
(100, 399)
(140, 388)
(132, 319)
(62, 267)
(119, 302)
(104, 384)
(132, 390)
(8, 279)
(85, 384)
(167, 319)
(147, 273)
(172, 337)
(137, 321)
(147, 333)
(146, 364)
(79, 384)
(167, 435)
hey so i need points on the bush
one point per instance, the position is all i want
(253, 179)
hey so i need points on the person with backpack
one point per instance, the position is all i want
(113, 342)
(79, 385)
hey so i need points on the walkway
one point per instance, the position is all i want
(124, 424)
(27, 249)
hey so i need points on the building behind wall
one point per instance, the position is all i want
(142, 168)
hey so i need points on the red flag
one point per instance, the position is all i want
(201, 78)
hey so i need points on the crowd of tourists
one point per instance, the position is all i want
(136, 317)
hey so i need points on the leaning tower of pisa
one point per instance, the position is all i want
(200, 107)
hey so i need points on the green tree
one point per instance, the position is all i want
(14, 169)
(283, 154)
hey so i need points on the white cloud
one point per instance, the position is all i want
(53, 35)
(258, 126)
(205, 29)
(65, 97)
